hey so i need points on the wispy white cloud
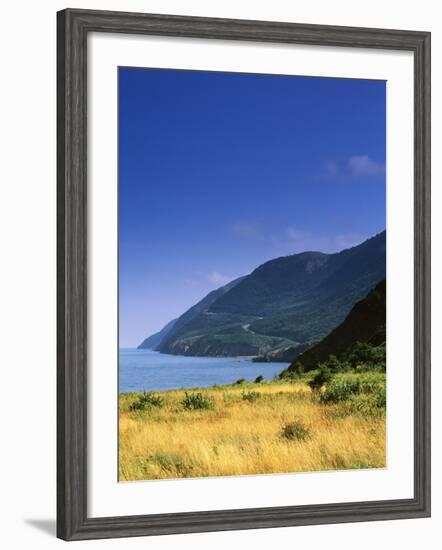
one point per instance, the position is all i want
(244, 228)
(331, 168)
(295, 234)
(191, 281)
(218, 279)
(355, 166)
(363, 165)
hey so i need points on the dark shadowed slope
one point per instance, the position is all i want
(365, 323)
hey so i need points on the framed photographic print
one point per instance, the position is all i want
(243, 274)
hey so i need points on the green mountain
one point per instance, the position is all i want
(284, 303)
(201, 307)
(364, 324)
(153, 341)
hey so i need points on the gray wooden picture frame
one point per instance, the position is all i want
(73, 26)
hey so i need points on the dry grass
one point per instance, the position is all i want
(240, 436)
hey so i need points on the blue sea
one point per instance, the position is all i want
(146, 370)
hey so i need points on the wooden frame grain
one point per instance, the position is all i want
(73, 27)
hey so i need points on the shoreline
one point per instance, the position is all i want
(153, 371)
(247, 384)
(244, 357)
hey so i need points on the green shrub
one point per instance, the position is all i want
(362, 465)
(365, 357)
(153, 399)
(292, 373)
(251, 396)
(295, 431)
(360, 394)
(240, 381)
(381, 396)
(137, 406)
(287, 375)
(146, 399)
(171, 463)
(259, 379)
(298, 369)
(362, 405)
(340, 389)
(336, 365)
(197, 401)
(322, 377)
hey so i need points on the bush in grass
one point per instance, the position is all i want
(362, 405)
(137, 406)
(251, 396)
(259, 379)
(288, 376)
(240, 381)
(295, 431)
(292, 374)
(381, 396)
(197, 401)
(146, 399)
(340, 389)
(360, 464)
(363, 393)
(153, 399)
(322, 377)
(172, 464)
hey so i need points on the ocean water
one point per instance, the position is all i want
(146, 370)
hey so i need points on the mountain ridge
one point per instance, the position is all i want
(154, 340)
(289, 302)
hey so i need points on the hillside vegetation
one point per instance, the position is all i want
(282, 307)
(359, 339)
(153, 341)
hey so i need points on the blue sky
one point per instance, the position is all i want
(220, 172)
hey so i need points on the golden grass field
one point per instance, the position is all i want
(245, 435)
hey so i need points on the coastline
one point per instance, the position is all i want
(150, 370)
